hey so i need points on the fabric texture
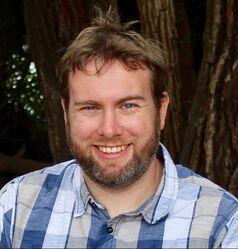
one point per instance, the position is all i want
(52, 208)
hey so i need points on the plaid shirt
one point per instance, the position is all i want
(52, 208)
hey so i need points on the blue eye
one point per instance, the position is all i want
(129, 106)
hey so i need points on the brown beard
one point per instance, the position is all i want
(123, 177)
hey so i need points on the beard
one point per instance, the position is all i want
(110, 176)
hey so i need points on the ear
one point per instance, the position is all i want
(164, 103)
(64, 110)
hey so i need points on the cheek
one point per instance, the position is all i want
(82, 130)
(140, 126)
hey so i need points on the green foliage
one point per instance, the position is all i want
(23, 128)
(22, 121)
(22, 86)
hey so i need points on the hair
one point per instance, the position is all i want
(107, 40)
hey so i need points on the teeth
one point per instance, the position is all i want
(112, 149)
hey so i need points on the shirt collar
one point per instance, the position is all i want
(80, 194)
(83, 196)
(163, 200)
(156, 208)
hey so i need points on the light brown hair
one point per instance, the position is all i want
(108, 40)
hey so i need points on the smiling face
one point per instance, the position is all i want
(112, 123)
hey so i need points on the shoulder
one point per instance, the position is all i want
(215, 205)
(19, 196)
(48, 174)
(208, 195)
(56, 169)
(50, 177)
(190, 180)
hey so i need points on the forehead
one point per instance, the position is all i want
(99, 66)
(113, 78)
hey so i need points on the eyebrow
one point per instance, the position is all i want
(93, 102)
(86, 102)
(131, 97)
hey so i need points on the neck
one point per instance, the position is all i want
(129, 198)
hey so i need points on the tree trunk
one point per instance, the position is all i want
(159, 22)
(51, 25)
(209, 144)
(212, 147)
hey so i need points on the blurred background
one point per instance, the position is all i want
(201, 39)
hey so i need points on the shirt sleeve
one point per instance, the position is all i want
(7, 212)
(231, 238)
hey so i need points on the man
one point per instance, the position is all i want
(123, 189)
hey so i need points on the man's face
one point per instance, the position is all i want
(112, 124)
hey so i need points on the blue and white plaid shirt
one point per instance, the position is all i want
(52, 208)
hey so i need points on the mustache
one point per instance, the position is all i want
(116, 141)
(103, 142)
(111, 141)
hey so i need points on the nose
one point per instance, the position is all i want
(109, 126)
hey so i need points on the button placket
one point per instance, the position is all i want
(94, 205)
(109, 229)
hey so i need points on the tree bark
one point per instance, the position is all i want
(51, 25)
(159, 22)
(212, 147)
(186, 60)
(209, 144)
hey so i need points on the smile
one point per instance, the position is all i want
(112, 149)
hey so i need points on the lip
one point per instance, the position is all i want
(111, 156)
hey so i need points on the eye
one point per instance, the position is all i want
(129, 106)
(89, 108)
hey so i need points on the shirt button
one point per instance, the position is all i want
(94, 205)
(109, 229)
